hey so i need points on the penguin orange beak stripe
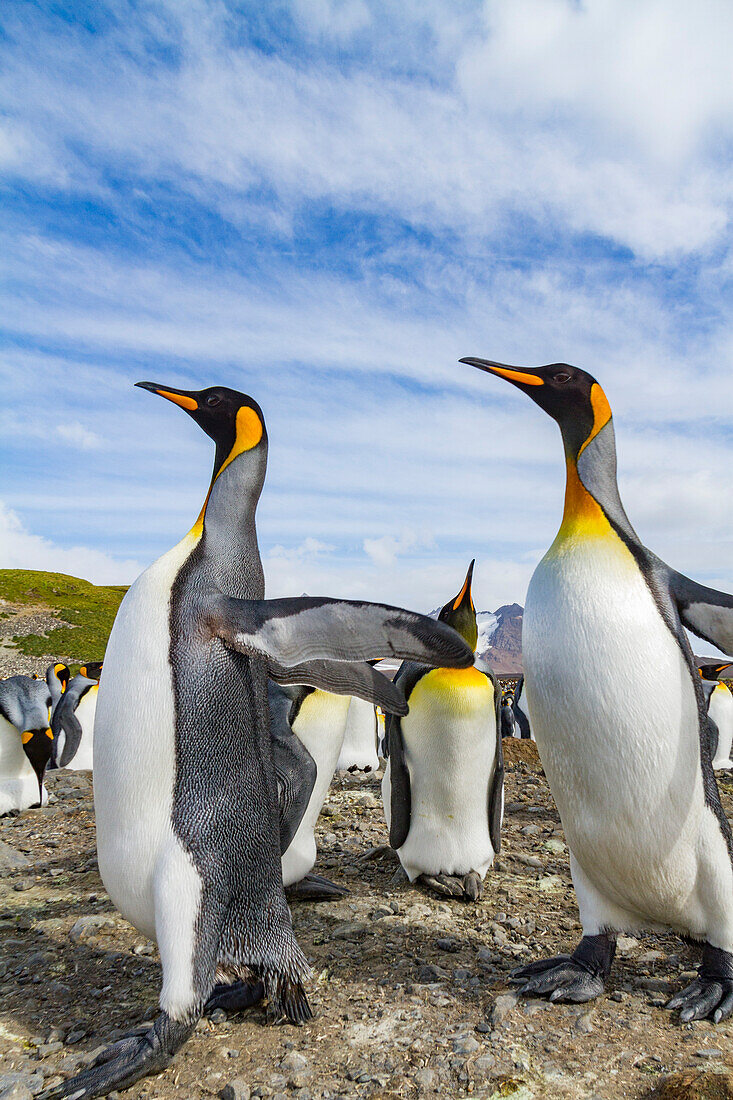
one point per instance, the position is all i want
(178, 397)
(512, 374)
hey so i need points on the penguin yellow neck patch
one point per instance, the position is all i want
(583, 516)
(249, 433)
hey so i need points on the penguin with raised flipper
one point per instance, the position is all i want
(307, 728)
(186, 799)
(443, 785)
(628, 763)
(25, 742)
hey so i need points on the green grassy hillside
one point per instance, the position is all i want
(88, 609)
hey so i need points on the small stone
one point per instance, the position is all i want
(346, 931)
(650, 957)
(626, 945)
(431, 973)
(709, 1052)
(584, 1023)
(530, 830)
(20, 1086)
(86, 927)
(49, 1048)
(484, 1063)
(218, 1016)
(465, 1044)
(425, 1079)
(295, 1063)
(236, 1090)
(10, 860)
(555, 847)
(446, 943)
(501, 1008)
(550, 882)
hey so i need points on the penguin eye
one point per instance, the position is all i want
(561, 377)
(213, 400)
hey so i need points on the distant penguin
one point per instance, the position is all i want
(507, 716)
(720, 710)
(627, 760)
(443, 784)
(25, 742)
(520, 716)
(307, 729)
(57, 678)
(185, 790)
(73, 723)
(359, 750)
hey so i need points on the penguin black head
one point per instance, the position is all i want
(38, 746)
(233, 420)
(62, 674)
(569, 395)
(717, 671)
(92, 670)
(460, 612)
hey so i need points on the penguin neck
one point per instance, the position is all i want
(227, 530)
(593, 506)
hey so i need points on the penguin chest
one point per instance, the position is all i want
(85, 713)
(319, 727)
(359, 749)
(615, 716)
(450, 752)
(721, 712)
(18, 783)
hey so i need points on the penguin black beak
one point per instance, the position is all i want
(464, 596)
(519, 376)
(185, 399)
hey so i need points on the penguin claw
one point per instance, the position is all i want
(125, 1062)
(315, 888)
(560, 979)
(468, 887)
(235, 997)
(704, 997)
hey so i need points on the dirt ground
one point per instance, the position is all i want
(409, 990)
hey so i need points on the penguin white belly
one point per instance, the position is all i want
(359, 749)
(450, 752)
(18, 783)
(134, 762)
(622, 760)
(85, 713)
(319, 726)
(721, 711)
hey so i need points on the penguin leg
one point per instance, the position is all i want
(125, 1062)
(467, 887)
(578, 977)
(711, 993)
(314, 887)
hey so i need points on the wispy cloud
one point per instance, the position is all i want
(326, 204)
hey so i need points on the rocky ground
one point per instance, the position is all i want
(409, 990)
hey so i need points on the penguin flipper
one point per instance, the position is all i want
(407, 677)
(496, 787)
(295, 768)
(342, 678)
(64, 720)
(308, 628)
(705, 611)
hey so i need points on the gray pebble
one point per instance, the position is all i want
(501, 1008)
(218, 1016)
(446, 943)
(425, 1079)
(295, 1063)
(584, 1023)
(709, 1052)
(465, 1044)
(236, 1090)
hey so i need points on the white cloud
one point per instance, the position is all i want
(19, 549)
(385, 550)
(77, 435)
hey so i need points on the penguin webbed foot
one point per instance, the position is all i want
(126, 1061)
(315, 888)
(576, 978)
(468, 887)
(711, 993)
(236, 997)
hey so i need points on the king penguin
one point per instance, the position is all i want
(307, 729)
(507, 716)
(628, 765)
(73, 721)
(444, 781)
(188, 836)
(520, 716)
(25, 742)
(720, 712)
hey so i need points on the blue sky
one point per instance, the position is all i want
(326, 204)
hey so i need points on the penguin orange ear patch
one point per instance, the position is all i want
(249, 432)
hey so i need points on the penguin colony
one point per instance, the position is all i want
(210, 779)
